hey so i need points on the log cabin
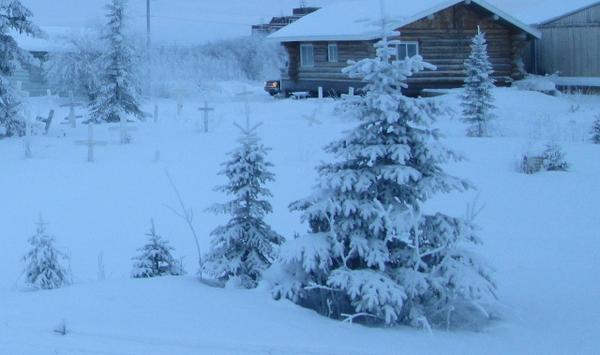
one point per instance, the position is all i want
(320, 44)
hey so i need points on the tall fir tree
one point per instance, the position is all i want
(44, 263)
(478, 99)
(596, 131)
(118, 94)
(15, 17)
(246, 246)
(371, 253)
(155, 258)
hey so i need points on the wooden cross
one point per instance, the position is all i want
(27, 139)
(20, 90)
(124, 130)
(41, 224)
(90, 142)
(71, 105)
(249, 131)
(206, 110)
(312, 118)
(179, 105)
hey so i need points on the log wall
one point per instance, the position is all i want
(444, 40)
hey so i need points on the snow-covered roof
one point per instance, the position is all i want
(49, 42)
(361, 20)
(570, 12)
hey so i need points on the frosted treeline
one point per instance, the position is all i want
(174, 70)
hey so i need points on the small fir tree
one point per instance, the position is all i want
(596, 131)
(244, 247)
(15, 17)
(155, 258)
(119, 90)
(478, 100)
(371, 253)
(44, 264)
(554, 159)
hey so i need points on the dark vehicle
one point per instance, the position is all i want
(273, 87)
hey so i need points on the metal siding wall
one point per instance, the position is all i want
(571, 45)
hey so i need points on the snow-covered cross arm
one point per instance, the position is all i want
(90, 142)
(71, 105)
(206, 110)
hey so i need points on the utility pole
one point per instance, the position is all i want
(148, 41)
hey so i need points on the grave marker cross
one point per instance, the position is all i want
(90, 142)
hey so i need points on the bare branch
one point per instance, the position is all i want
(187, 215)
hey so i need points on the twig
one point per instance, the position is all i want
(350, 317)
(188, 216)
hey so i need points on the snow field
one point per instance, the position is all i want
(540, 233)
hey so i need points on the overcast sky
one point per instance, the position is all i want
(197, 21)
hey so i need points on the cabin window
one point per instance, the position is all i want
(408, 50)
(332, 52)
(307, 55)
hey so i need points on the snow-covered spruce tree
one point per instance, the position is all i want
(478, 99)
(553, 157)
(118, 93)
(371, 254)
(44, 264)
(155, 258)
(596, 131)
(15, 17)
(246, 246)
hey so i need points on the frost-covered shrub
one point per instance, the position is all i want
(478, 99)
(244, 248)
(371, 254)
(181, 70)
(554, 158)
(79, 67)
(44, 264)
(155, 258)
(596, 130)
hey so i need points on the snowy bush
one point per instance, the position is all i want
(596, 130)
(119, 90)
(477, 101)
(15, 18)
(155, 258)
(181, 70)
(243, 248)
(371, 254)
(44, 263)
(78, 69)
(554, 158)
(544, 84)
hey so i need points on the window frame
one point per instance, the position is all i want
(330, 52)
(406, 44)
(312, 50)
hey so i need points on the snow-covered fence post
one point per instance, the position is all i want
(320, 92)
(155, 114)
(90, 142)
(205, 111)
(351, 91)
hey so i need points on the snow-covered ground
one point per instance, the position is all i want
(540, 233)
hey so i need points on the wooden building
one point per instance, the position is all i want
(280, 22)
(320, 44)
(570, 44)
